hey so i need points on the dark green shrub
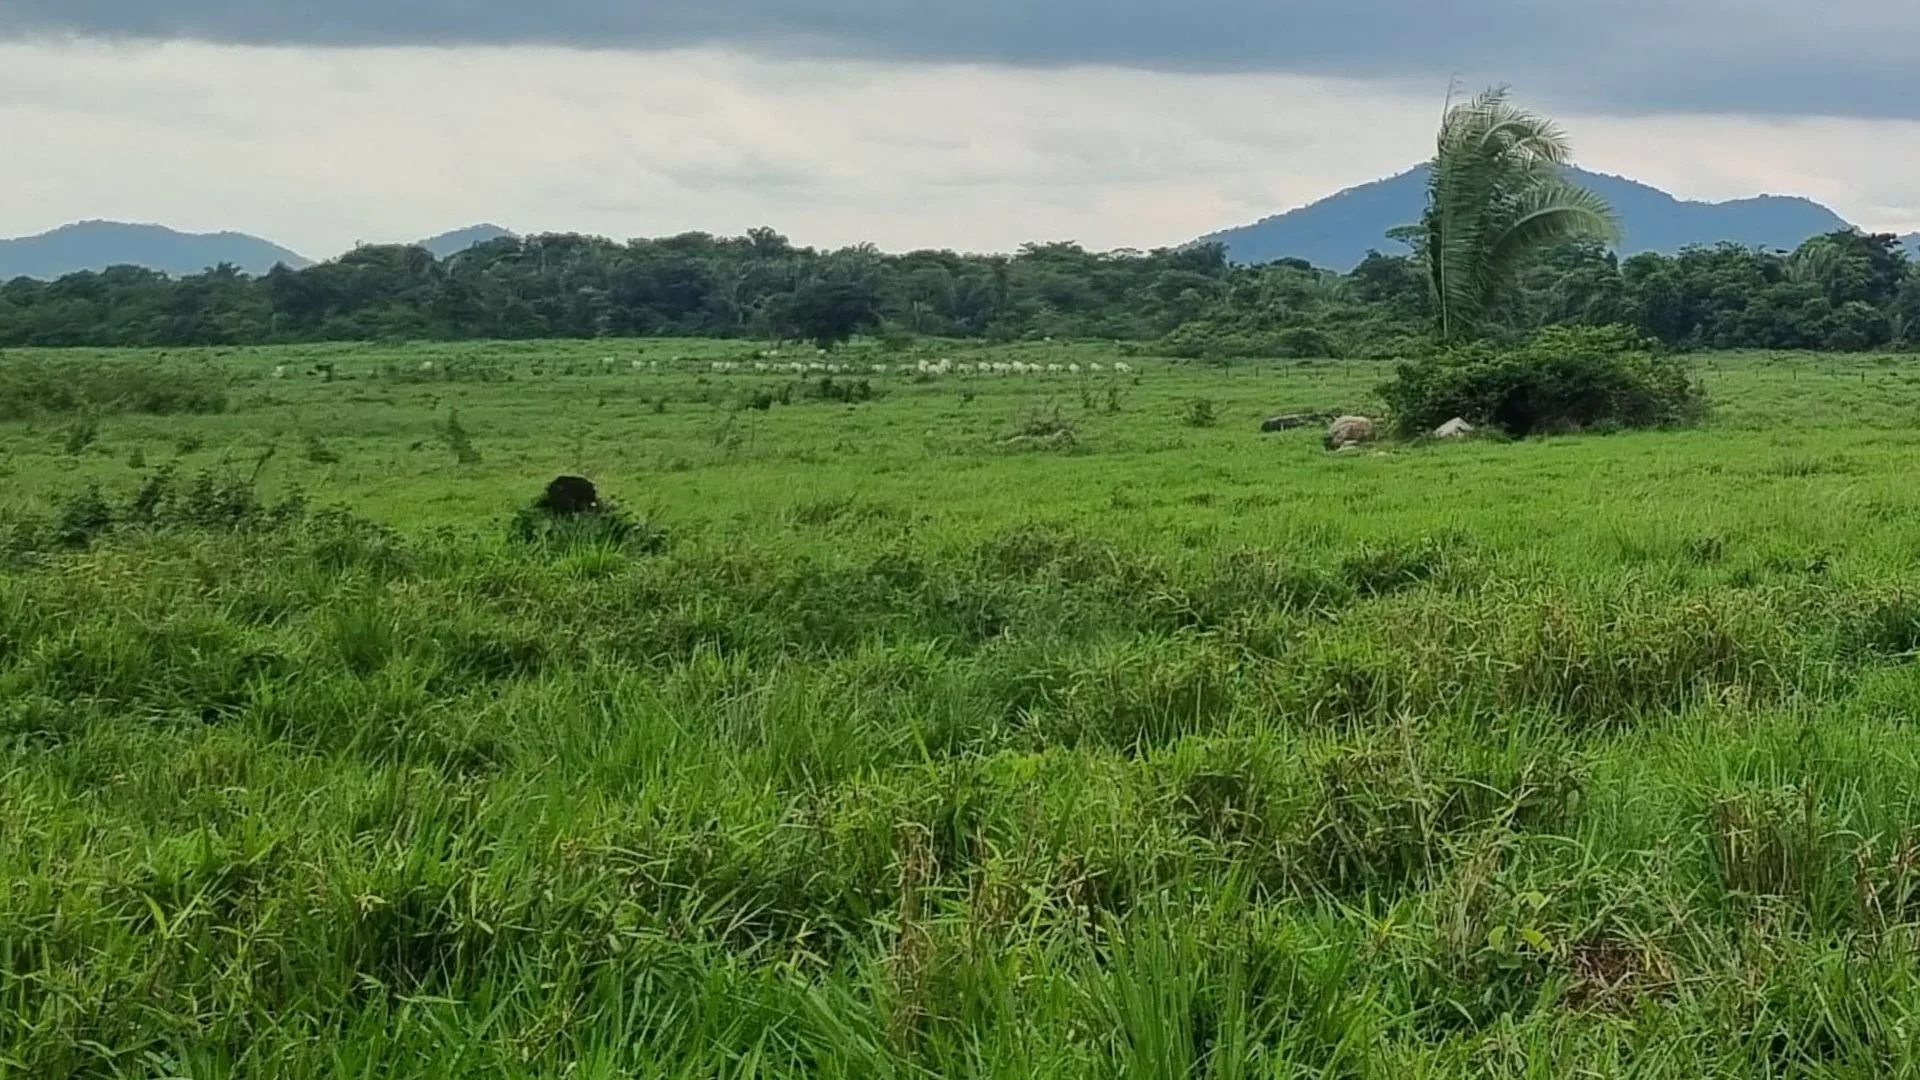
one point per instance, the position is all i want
(1565, 379)
(84, 517)
(1210, 341)
(849, 393)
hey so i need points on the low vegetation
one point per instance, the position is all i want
(47, 386)
(852, 744)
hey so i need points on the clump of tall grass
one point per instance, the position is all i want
(210, 502)
(1043, 429)
(40, 387)
(605, 525)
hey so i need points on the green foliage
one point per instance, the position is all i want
(1200, 413)
(212, 502)
(1564, 379)
(1843, 291)
(1286, 310)
(1188, 753)
(34, 387)
(829, 309)
(842, 391)
(80, 434)
(320, 453)
(459, 440)
(1044, 429)
(1208, 341)
(608, 527)
(1495, 197)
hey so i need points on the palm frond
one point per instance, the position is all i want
(1556, 213)
(1495, 192)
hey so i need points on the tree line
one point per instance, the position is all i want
(1844, 291)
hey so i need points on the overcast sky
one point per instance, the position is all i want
(977, 125)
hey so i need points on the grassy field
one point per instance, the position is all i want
(1009, 726)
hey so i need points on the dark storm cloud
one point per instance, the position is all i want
(1768, 57)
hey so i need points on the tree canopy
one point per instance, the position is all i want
(1846, 290)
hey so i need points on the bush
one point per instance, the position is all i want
(1565, 379)
(848, 393)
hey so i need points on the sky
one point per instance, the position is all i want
(978, 126)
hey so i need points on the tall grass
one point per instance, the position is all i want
(834, 781)
(33, 386)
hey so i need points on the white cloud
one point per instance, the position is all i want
(319, 148)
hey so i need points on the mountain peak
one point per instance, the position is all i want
(459, 240)
(1339, 230)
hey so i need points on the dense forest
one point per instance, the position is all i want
(1843, 291)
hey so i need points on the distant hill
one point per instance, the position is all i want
(96, 245)
(1338, 231)
(459, 240)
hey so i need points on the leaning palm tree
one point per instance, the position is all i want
(1496, 193)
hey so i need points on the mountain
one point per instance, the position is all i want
(96, 245)
(1338, 230)
(459, 240)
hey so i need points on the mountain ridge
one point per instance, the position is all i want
(1337, 231)
(97, 245)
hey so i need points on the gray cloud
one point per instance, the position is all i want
(318, 148)
(1765, 57)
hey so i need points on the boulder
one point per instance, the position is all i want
(1455, 428)
(1291, 421)
(1350, 431)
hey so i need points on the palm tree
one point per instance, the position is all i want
(1496, 194)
